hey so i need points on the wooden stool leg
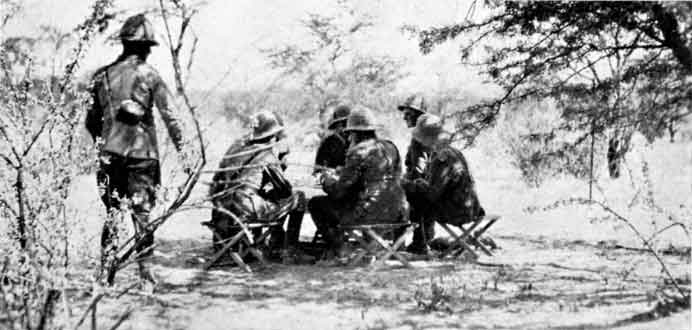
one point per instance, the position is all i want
(458, 240)
(469, 234)
(367, 248)
(476, 236)
(237, 237)
(386, 246)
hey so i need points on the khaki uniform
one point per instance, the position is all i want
(129, 165)
(448, 188)
(366, 191)
(256, 191)
(332, 151)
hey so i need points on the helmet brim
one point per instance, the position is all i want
(330, 124)
(408, 107)
(277, 131)
(150, 43)
(360, 129)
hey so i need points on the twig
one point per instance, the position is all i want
(641, 237)
(122, 319)
(92, 305)
(49, 304)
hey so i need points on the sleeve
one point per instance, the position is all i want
(439, 176)
(94, 116)
(349, 176)
(163, 101)
(416, 156)
(321, 156)
(272, 173)
(326, 153)
(408, 173)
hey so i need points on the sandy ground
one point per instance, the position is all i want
(554, 270)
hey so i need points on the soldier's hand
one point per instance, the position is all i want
(422, 163)
(420, 183)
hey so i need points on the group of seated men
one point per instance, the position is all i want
(360, 173)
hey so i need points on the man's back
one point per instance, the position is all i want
(370, 179)
(332, 151)
(121, 90)
(452, 186)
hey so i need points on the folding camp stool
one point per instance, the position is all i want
(468, 235)
(244, 241)
(372, 243)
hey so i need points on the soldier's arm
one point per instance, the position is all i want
(439, 177)
(273, 174)
(348, 176)
(164, 102)
(324, 151)
(408, 163)
(94, 116)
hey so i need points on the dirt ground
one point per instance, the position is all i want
(554, 270)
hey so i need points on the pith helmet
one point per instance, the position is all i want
(265, 124)
(429, 130)
(360, 120)
(339, 114)
(414, 102)
(138, 28)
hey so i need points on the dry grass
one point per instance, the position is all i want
(556, 269)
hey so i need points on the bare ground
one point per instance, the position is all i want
(529, 284)
(554, 270)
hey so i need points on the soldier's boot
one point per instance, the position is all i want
(421, 238)
(145, 250)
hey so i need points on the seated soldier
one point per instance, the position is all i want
(251, 185)
(367, 189)
(446, 186)
(332, 150)
(414, 162)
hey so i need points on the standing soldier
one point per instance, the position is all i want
(446, 186)
(124, 95)
(415, 161)
(367, 189)
(332, 150)
(251, 185)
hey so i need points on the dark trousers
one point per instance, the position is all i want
(426, 226)
(123, 178)
(325, 214)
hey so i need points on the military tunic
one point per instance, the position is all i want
(366, 191)
(129, 165)
(252, 186)
(448, 187)
(331, 152)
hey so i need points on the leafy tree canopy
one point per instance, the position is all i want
(611, 67)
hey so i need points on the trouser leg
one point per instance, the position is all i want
(295, 220)
(143, 177)
(322, 210)
(112, 184)
(425, 231)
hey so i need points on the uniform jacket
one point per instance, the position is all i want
(369, 183)
(252, 182)
(416, 156)
(130, 80)
(448, 187)
(332, 151)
